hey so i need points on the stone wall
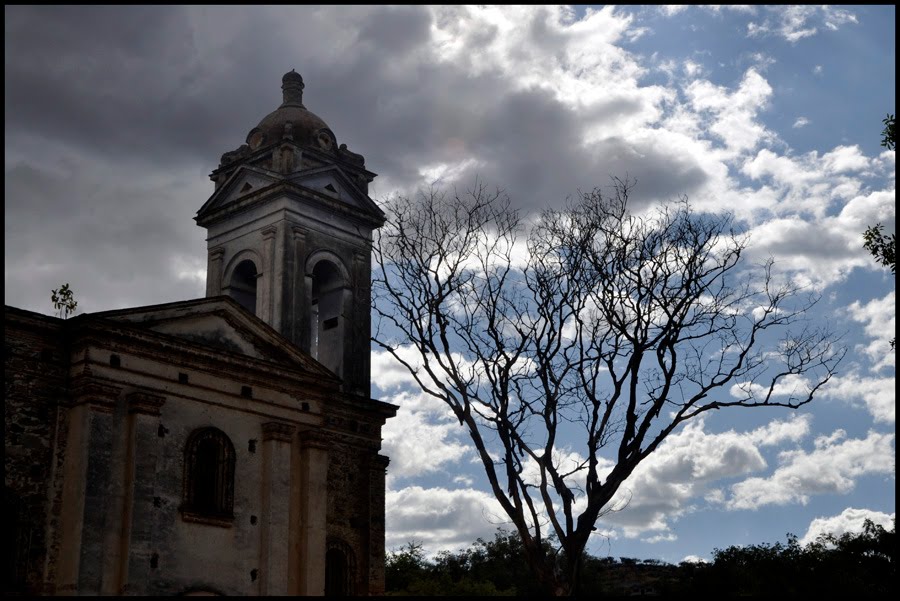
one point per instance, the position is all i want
(34, 373)
(98, 416)
(356, 480)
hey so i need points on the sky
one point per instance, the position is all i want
(115, 116)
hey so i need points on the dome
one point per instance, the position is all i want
(291, 120)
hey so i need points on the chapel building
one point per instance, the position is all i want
(218, 446)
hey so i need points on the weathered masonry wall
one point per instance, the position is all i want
(34, 374)
(98, 417)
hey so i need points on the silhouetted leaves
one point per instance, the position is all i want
(852, 564)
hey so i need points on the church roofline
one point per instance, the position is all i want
(261, 329)
(209, 215)
(257, 326)
(260, 152)
(373, 207)
(96, 327)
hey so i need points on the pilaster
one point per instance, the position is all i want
(144, 410)
(276, 498)
(300, 331)
(266, 307)
(86, 481)
(377, 470)
(313, 503)
(214, 272)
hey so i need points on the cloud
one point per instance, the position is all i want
(800, 122)
(116, 115)
(845, 158)
(424, 437)
(794, 23)
(791, 385)
(668, 483)
(692, 69)
(441, 518)
(877, 394)
(878, 315)
(831, 468)
(849, 520)
(551, 104)
(419, 445)
(661, 538)
(818, 248)
(671, 10)
(388, 373)
(102, 101)
(694, 559)
(67, 223)
(733, 115)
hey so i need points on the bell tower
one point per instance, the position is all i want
(289, 235)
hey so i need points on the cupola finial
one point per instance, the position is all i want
(292, 89)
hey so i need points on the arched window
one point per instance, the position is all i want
(208, 475)
(328, 289)
(339, 569)
(242, 286)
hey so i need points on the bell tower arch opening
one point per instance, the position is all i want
(329, 291)
(241, 286)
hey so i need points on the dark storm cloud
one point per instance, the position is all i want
(531, 146)
(396, 30)
(115, 115)
(101, 78)
(117, 244)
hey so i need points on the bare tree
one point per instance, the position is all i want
(592, 338)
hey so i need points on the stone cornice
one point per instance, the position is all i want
(102, 396)
(159, 346)
(144, 402)
(291, 190)
(278, 431)
(313, 439)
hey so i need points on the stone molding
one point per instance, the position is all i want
(277, 431)
(99, 395)
(144, 402)
(313, 439)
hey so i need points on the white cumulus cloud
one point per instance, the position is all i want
(668, 483)
(877, 394)
(878, 315)
(440, 518)
(849, 520)
(831, 468)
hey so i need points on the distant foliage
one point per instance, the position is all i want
(488, 568)
(63, 299)
(853, 563)
(889, 134)
(882, 246)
